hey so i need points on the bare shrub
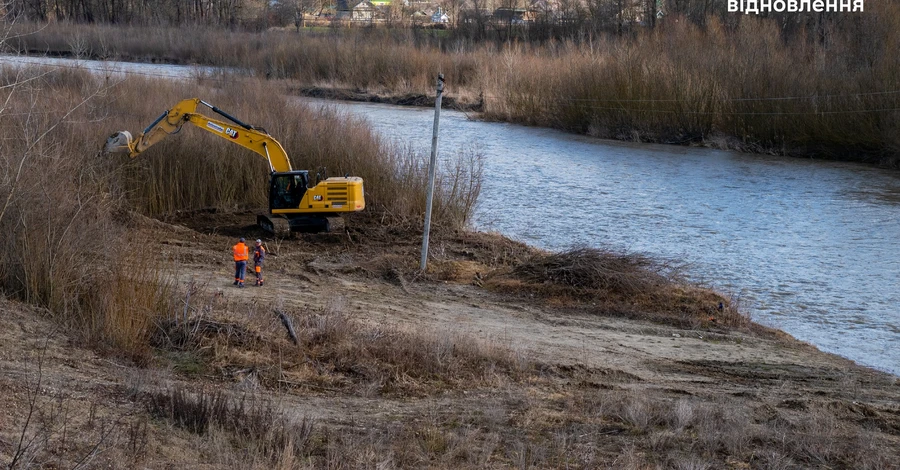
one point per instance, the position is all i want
(638, 412)
(820, 439)
(725, 428)
(63, 248)
(683, 414)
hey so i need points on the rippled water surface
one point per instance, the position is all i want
(810, 247)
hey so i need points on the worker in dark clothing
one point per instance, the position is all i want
(259, 254)
(241, 255)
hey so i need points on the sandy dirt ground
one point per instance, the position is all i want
(305, 274)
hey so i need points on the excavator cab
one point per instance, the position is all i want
(287, 189)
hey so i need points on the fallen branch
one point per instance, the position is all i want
(286, 321)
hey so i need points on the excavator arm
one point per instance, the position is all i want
(171, 122)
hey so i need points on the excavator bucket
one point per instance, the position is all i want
(120, 142)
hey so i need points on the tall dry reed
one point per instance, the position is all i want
(62, 246)
(745, 87)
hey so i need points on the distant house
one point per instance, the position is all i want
(439, 17)
(355, 10)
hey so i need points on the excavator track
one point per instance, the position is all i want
(277, 226)
(315, 223)
(337, 224)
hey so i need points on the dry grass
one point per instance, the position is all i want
(334, 352)
(699, 432)
(580, 418)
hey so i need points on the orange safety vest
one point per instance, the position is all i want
(241, 252)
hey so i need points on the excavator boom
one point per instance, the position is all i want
(171, 121)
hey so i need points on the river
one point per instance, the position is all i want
(810, 247)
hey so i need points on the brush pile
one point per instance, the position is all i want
(628, 285)
(587, 270)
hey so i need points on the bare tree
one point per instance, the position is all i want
(453, 8)
(650, 12)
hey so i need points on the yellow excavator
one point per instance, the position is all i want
(294, 205)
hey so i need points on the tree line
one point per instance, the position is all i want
(212, 12)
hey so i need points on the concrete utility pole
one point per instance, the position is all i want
(431, 171)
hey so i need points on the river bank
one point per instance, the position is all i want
(407, 99)
(477, 376)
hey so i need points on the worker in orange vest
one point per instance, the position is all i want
(259, 254)
(241, 255)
